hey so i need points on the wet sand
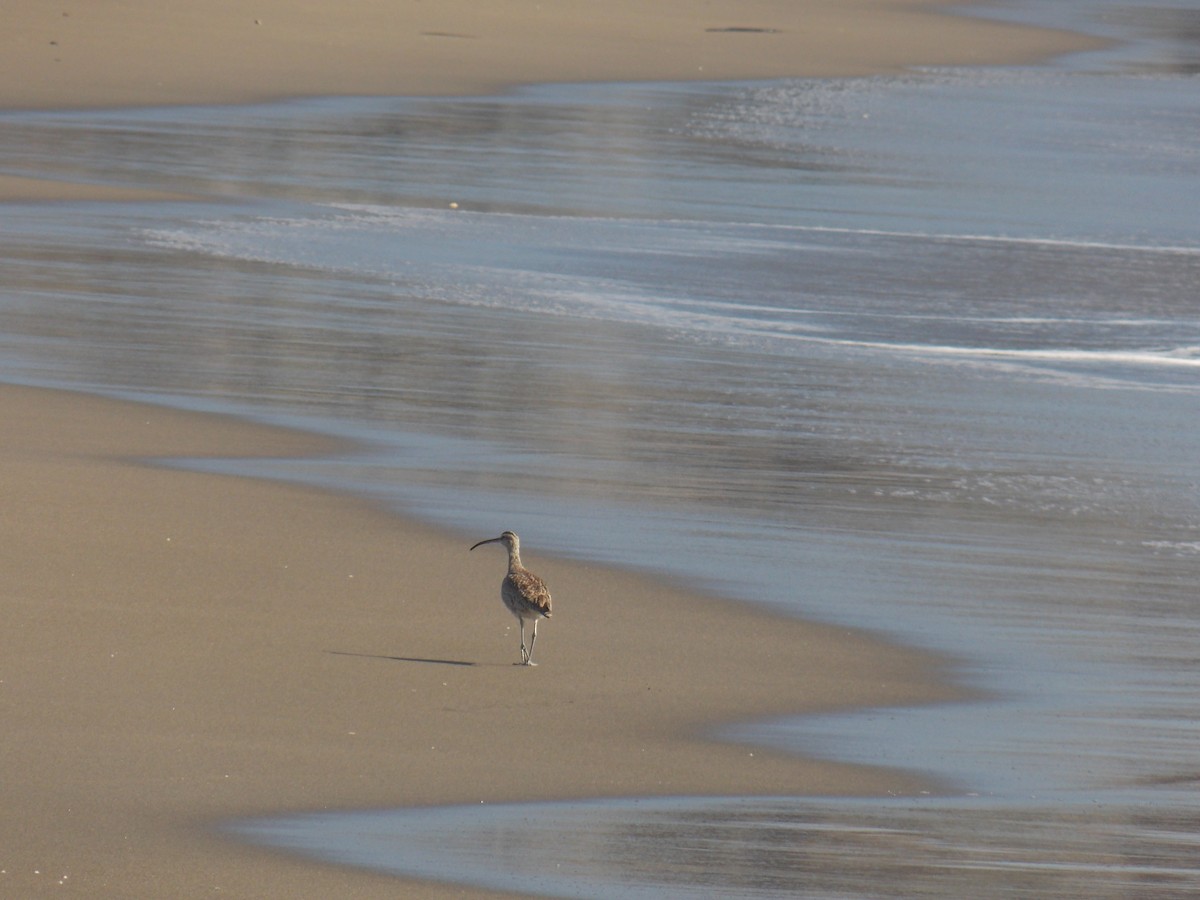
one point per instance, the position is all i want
(181, 649)
(14, 189)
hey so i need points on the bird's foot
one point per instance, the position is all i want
(526, 662)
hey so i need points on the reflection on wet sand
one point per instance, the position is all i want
(938, 848)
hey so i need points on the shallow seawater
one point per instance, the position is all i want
(767, 847)
(921, 354)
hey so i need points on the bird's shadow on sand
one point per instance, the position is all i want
(408, 659)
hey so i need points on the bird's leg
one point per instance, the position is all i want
(524, 652)
(532, 641)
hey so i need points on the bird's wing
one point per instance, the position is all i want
(532, 591)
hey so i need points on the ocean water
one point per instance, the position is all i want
(917, 354)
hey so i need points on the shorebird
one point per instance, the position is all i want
(523, 593)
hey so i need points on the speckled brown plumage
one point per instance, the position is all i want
(524, 594)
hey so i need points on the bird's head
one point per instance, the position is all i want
(509, 539)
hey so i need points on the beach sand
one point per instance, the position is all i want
(180, 649)
(139, 52)
(184, 648)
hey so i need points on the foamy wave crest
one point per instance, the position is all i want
(1081, 368)
(1004, 239)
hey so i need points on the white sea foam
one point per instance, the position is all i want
(1182, 357)
(1178, 548)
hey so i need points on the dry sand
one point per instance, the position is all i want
(139, 52)
(179, 649)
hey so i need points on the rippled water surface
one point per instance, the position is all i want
(919, 354)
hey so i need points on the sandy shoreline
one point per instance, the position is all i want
(184, 648)
(181, 648)
(141, 53)
(138, 52)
